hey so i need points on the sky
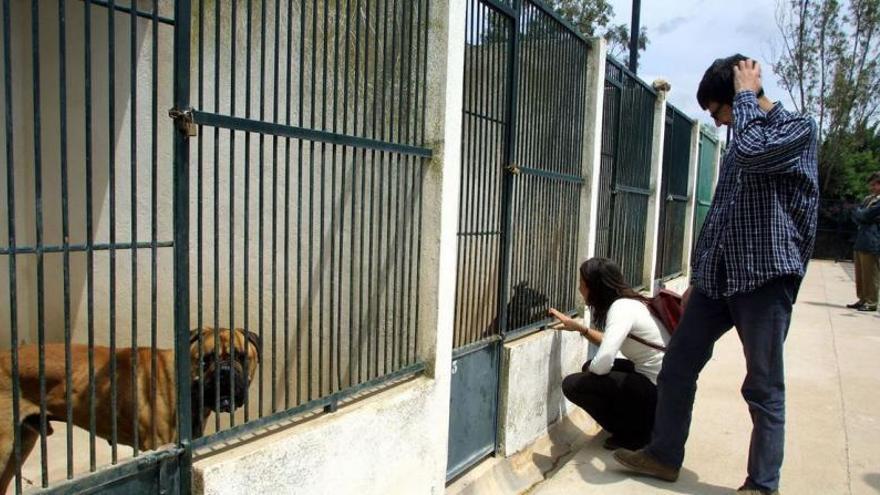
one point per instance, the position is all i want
(685, 36)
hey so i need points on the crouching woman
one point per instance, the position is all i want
(620, 394)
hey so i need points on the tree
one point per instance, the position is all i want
(828, 64)
(618, 41)
(592, 17)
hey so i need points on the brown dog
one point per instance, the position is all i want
(157, 417)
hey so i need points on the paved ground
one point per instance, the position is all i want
(833, 433)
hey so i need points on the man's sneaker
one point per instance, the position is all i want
(867, 307)
(640, 462)
(756, 491)
(856, 305)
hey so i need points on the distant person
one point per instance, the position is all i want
(866, 254)
(746, 271)
(620, 394)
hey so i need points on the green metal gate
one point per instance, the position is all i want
(627, 140)
(522, 141)
(673, 193)
(706, 169)
(272, 154)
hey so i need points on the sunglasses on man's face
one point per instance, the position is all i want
(715, 114)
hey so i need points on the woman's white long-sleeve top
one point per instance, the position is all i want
(625, 317)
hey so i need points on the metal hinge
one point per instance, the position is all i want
(513, 169)
(184, 121)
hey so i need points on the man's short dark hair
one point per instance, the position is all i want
(717, 82)
(875, 177)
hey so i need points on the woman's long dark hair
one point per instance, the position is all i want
(605, 283)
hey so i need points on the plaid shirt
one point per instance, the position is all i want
(762, 222)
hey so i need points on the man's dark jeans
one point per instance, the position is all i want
(761, 318)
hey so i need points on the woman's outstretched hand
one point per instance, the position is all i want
(565, 322)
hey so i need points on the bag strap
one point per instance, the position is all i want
(647, 343)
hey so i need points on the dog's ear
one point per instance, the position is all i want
(194, 335)
(255, 340)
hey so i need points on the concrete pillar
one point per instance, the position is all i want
(440, 197)
(654, 199)
(691, 209)
(592, 147)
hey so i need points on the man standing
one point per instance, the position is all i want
(866, 254)
(747, 267)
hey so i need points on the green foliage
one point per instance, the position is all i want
(855, 156)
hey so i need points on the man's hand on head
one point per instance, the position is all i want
(747, 76)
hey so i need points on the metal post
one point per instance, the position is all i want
(181, 242)
(507, 188)
(634, 37)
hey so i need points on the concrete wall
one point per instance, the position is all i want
(393, 442)
(531, 395)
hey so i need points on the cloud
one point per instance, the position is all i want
(670, 25)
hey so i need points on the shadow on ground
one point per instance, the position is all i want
(597, 467)
(873, 480)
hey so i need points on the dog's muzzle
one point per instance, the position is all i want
(225, 381)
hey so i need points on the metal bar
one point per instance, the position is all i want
(96, 481)
(547, 174)
(38, 207)
(473, 347)
(311, 223)
(233, 90)
(83, 248)
(215, 309)
(418, 215)
(90, 259)
(260, 229)
(351, 301)
(181, 245)
(336, 288)
(200, 180)
(631, 75)
(467, 164)
(411, 371)
(630, 190)
(299, 182)
(15, 458)
(371, 308)
(500, 7)
(275, 115)
(247, 202)
(403, 132)
(154, 224)
(127, 10)
(551, 12)
(386, 189)
(111, 165)
(483, 117)
(65, 228)
(288, 106)
(323, 168)
(507, 191)
(335, 340)
(480, 169)
(133, 195)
